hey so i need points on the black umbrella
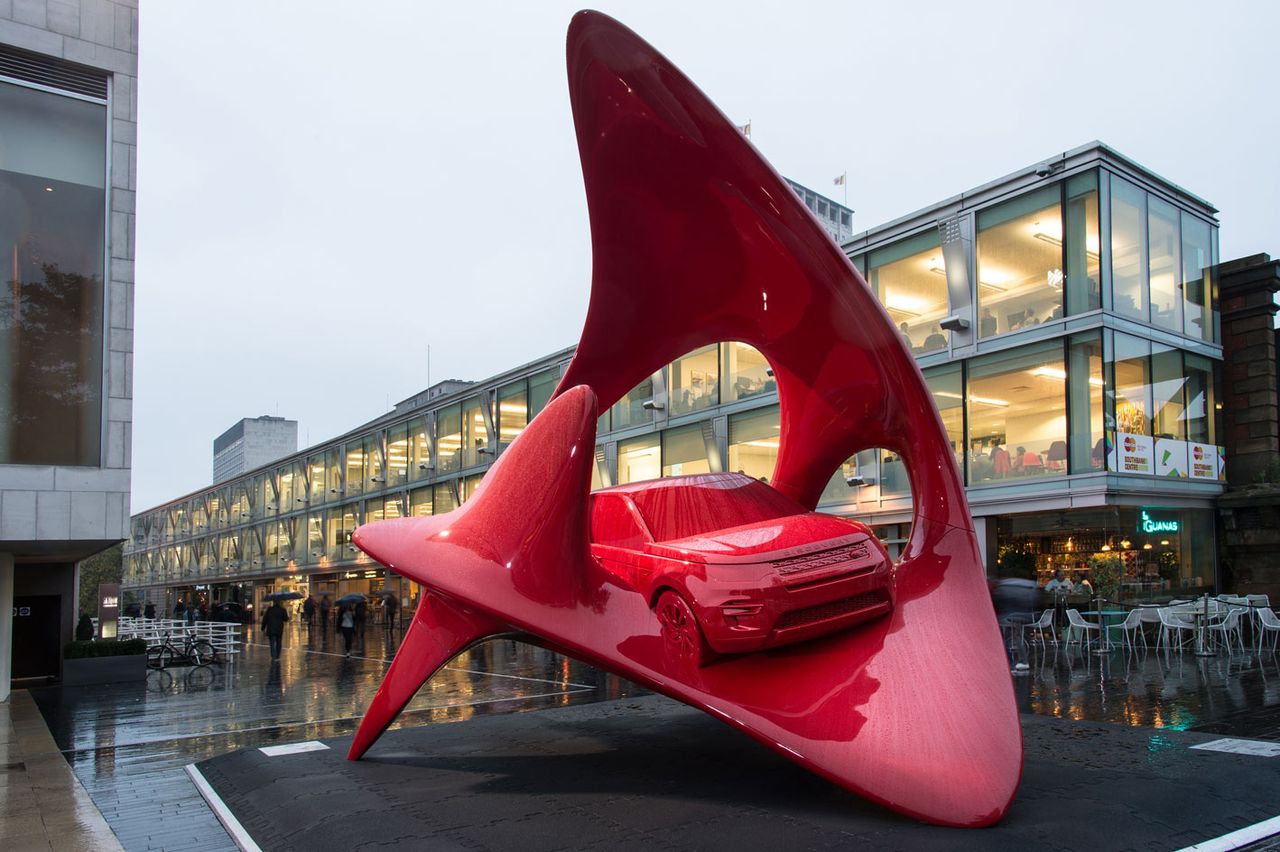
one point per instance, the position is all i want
(283, 596)
(352, 598)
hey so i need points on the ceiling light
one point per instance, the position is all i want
(986, 400)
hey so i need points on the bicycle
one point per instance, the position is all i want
(196, 652)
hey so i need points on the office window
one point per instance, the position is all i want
(52, 232)
(1163, 243)
(630, 410)
(1082, 248)
(684, 451)
(695, 380)
(449, 438)
(513, 412)
(541, 386)
(443, 500)
(1018, 412)
(355, 468)
(745, 371)
(1128, 249)
(1167, 392)
(1085, 387)
(1020, 277)
(475, 437)
(753, 442)
(419, 449)
(1202, 400)
(398, 455)
(639, 459)
(1197, 263)
(420, 502)
(1131, 372)
(315, 537)
(838, 491)
(910, 280)
(946, 384)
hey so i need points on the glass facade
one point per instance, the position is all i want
(1019, 252)
(1031, 404)
(910, 280)
(53, 236)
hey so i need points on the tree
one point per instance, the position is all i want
(104, 567)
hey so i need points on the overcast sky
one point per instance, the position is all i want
(325, 189)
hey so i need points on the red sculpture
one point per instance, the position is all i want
(692, 229)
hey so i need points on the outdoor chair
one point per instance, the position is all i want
(1268, 623)
(1040, 627)
(1076, 622)
(1172, 623)
(1131, 625)
(1229, 629)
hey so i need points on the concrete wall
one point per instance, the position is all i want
(48, 504)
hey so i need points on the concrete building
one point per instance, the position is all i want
(68, 175)
(252, 443)
(836, 219)
(1065, 318)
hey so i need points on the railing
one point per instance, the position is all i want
(223, 635)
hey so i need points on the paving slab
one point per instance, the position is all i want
(651, 773)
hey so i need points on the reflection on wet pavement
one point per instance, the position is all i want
(1236, 694)
(127, 743)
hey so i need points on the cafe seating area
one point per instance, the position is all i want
(1206, 626)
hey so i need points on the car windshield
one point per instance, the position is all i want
(679, 507)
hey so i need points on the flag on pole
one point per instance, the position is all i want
(840, 180)
(745, 129)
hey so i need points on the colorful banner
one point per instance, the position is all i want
(1203, 463)
(1129, 453)
(1171, 457)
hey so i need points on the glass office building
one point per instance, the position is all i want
(1064, 318)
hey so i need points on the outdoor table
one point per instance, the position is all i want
(1103, 614)
(1201, 617)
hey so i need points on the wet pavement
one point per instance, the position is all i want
(128, 743)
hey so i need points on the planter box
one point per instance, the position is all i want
(92, 670)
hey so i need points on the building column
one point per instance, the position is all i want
(6, 624)
(1251, 416)
(1250, 509)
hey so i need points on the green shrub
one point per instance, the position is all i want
(79, 650)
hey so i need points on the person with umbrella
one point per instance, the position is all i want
(346, 618)
(389, 607)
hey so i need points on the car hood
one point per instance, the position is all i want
(764, 541)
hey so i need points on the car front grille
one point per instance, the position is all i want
(826, 611)
(824, 559)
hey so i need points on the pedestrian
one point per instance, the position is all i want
(149, 611)
(1015, 600)
(325, 606)
(273, 621)
(309, 610)
(179, 610)
(346, 618)
(389, 606)
(362, 614)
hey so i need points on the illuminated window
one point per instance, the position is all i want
(745, 371)
(1017, 413)
(695, 380)
(1020, 277)
(684, 451)
(639, 459)
(910, 280)
(753, 442)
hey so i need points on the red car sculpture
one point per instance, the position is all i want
(732, 566)
(915, 709)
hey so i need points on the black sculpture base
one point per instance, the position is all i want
(649, 773)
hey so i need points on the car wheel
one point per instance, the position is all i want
(681, 635)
